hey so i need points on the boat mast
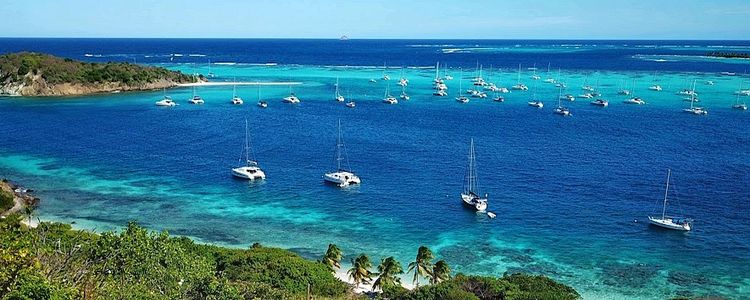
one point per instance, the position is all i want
(692, 95)
(460, 81)
(247, 145)
(437, 72)
(666, 191)
(519, 74)
(337, 88)
(471, 178)
(339, 144)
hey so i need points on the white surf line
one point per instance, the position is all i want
(237, 83)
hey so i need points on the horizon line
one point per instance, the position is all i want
(365, 39)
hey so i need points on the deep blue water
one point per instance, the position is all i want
(571, 194)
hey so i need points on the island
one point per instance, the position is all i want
(36, 74)
(728, 54)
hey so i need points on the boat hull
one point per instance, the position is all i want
(669, 224)
(249, 173)
(341, 178)
(474, 202)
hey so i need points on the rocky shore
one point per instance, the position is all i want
(38, 87)
(22, 197)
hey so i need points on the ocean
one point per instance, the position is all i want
(571, 194)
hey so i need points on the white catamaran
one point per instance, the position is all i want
(470, 196)
(675, 223)
(251, 170)
(341, 177)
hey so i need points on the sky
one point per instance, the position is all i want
(435, 19)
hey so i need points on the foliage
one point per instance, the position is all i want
(422, 264)
(513, 287)
(388, 272)
(440, 272)
(278, 268)
(332, 258)
(360, 271)
(15, 67)
(6, 200)
(55, 262)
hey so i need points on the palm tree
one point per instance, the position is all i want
(440, 271)
(388, 272)
(422, 265)
(332, 258)
(360, 271)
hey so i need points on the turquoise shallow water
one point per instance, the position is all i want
(567, 190)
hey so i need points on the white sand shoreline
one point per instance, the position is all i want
(210, 83)
(363, 288)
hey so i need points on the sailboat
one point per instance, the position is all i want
(461, 98)
(633, 100)
(737, 104)
(385, 75)
(251, 170)
(445, 73)
(655, 87)
(292, 98)
(549, 79)
(341, 177)
(404, 95)
(470, 196)
(196, 99)
(402, 81)
(520, 86)
(210, 74)
(337, 96)
(534, 101)
(236, 100)
(561, 110)
(675, 223)
(535, 76)
(388, 98)
(694, 109)
(261, 103)
(166, 101)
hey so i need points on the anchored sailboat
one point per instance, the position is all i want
(675, 223)
(470, 196)
(251, 170)
(341, 177)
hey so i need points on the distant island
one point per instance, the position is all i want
(38, 74)
(728, 54)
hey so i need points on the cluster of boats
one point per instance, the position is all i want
(481, 87)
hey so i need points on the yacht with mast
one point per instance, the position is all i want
(470, 196)
(236, 100)
(196, 99)
(251, 170)
(694, 109)
(520, 86)
(664, 221)
(561, 110)
(461, 98)
(336, 95)
(737, 104)
(341, 177)
(166, 101)
(261, 103)
(388, 98)
(292, 98)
